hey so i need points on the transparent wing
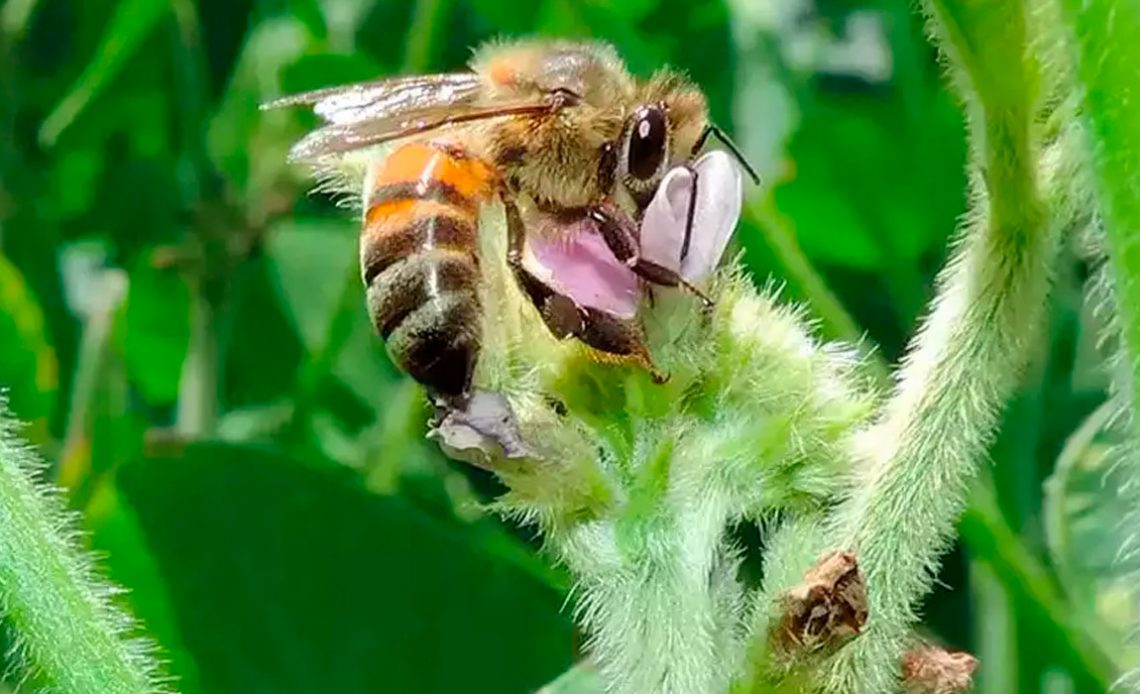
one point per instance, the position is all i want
(370, 113)
(385, 98)
(338, 138)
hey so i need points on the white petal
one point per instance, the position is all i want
(720, 191)
(663, 224)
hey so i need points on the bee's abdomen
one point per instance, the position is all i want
(419, 261)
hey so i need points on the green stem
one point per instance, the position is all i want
(995, 637)
(94, 351)
(967, 358)
(69, 638)
(1103, 41)
(198, 397)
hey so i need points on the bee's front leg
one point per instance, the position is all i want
(620, 234)
(612, 339)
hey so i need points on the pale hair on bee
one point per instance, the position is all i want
(600, 177)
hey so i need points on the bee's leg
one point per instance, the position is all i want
(613, 339)
(619, 233)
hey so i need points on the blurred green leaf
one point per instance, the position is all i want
(1086, 499)
(512, 18)
(14, 16)
(630, 10)
(291, 578)
(580, 679)
(872, 190)
(126, 560)
(247, 145)
(261, 349)
(131, 24)
(27, 361)
(74, 180)
(309, 258)
(314, 264)
(254, 423)
(155, 335)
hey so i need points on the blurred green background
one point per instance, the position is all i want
(182, 328)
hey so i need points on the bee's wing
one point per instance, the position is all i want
(338, 138)
(383, 98)
(370, 113)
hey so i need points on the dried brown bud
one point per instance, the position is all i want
(933, 670)
(825, 610)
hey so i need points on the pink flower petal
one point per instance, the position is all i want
(584, 269)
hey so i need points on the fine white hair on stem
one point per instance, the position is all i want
(967, 357)
(66, 633)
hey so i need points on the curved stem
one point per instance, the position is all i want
(1103, 40)
(968, 356)
(68, 637)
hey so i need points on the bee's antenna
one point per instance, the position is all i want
(711, 129)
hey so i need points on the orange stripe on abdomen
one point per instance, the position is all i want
(422, 196)
(419, 261)
(421, 164)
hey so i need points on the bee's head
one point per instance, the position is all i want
(662, 130)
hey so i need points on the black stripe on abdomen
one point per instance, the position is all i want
(426, 307)
(383, 248)
(431, 189)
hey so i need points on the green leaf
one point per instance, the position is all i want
(28, 370)
(580, 679)
(261, 348)
(511, 18)
(131, 24)
(115, 534)
(314, 265)
(290, 577)
(848, 151)
(309, 257)
(1086, 499)
(156, 330)
(249, 146)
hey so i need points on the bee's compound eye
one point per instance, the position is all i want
(647, 143)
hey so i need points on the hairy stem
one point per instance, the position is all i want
(967, 357)
(1103, 38)
(68, 637)
(1100, 40)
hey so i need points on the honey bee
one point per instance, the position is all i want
(572, 146)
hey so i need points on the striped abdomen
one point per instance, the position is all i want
(418, 254)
